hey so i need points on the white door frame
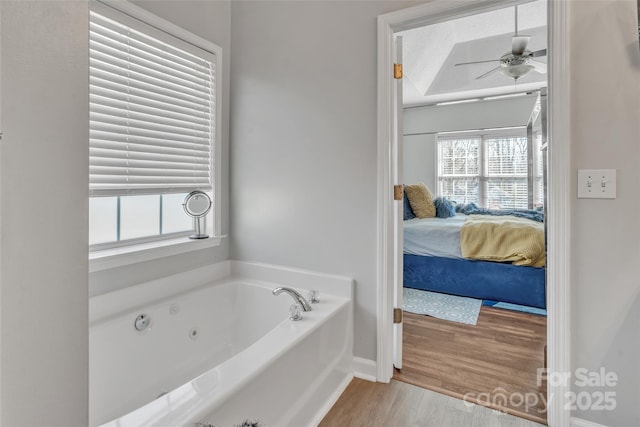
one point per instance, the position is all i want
(397, 157)
(558, 210)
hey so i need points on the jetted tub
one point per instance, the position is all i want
(217, 347)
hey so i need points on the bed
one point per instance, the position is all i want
(436, 258)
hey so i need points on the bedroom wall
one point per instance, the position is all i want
(419, 163)
(605, 247)
(421, 123)
(210, 20)
(493, 113)
(303, 126)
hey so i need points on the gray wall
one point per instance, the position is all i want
(419, 160)
(44, 169)
(303, 157)
(605, 247)
(484, 114)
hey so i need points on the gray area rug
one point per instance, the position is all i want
(442, 306)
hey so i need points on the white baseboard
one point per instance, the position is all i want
(365, 369)
(579, 422)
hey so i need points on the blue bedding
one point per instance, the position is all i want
(476, 279)
(472, 209)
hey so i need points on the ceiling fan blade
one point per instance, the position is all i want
(519, 44)
(477, 62)
(538, 66)
(537, 53)
(489, 72)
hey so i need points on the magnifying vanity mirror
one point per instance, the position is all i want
(197, 205)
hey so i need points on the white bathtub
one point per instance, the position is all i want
(219, 352)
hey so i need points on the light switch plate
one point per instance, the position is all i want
(597, 184)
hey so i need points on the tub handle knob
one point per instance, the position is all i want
(295, 312)
(314, 296)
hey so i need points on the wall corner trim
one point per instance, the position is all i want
(365, 369)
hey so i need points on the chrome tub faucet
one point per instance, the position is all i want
(295, 295)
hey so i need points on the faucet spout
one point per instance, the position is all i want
(295, 295)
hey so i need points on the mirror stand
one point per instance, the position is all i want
(197, 204)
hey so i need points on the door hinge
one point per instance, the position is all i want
(397, 315)
(397, 192)
(397, 71)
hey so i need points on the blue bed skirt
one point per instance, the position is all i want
(476, 279)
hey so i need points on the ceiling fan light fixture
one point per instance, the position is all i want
(515, 71)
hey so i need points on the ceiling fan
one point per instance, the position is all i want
(519, 61)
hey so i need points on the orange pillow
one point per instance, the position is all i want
(421, 200)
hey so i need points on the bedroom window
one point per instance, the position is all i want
(459, 169)
(153, 126)
(493, 170)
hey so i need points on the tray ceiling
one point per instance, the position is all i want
(429, 55)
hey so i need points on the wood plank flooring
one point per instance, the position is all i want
(397, 404)
(494, 363)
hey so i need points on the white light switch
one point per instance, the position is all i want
(597, 184)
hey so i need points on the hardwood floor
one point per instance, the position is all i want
(494, 363)
(397, 404)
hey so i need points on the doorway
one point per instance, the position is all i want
(557, 303)
(474, 128)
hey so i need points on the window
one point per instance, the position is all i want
(153, 126)
(496, 170)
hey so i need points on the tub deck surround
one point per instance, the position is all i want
(294, 278)
(222, 351)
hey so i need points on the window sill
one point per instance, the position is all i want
(118, 257)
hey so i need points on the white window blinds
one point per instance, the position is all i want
(491, 170)
(459, 169)
(152, 110)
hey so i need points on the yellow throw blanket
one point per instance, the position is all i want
(503, 239)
